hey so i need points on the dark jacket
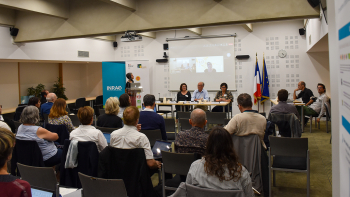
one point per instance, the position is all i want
(288, 124)
(61, 131)
(129, 165)
(110, 121)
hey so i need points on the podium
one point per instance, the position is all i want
(134, 92)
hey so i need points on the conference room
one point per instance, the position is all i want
(79, 47)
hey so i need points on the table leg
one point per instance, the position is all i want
(302, 119)
(172, 112)
(223, 109)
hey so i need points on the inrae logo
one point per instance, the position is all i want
(114, 88)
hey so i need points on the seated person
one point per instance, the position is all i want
(219, 168)
(46, 107)
(249, 121)
(195, 139)
(200, 94)
(110, 119)
(35, 102)
(224, 96)
(86, 132)
(149, 119)
(125, 102)
(305, 93)
(182, 95)
(283, 107)
(44, 94)
(6, 123)
(59, 116)
(45, 139)
(317, 108)
(10, 185)
(129, 137)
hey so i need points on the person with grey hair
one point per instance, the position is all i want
(195, 139)
(200, 94)
(46, 107)
(45, 139)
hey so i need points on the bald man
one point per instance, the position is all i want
(195, 139)
(46, 107)
(305, 93)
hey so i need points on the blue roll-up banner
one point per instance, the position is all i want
(113, 79)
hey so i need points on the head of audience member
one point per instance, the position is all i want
(35, 101)
(220, 154)
(124, 100)
(198, 118)
(131, 116)
(223, 87)
(112, 106)
(44, 93)
(183, 87)
(149, 101)
(7, 142)
(282, 95)
(30, 115)
(129, 76)
(200, 86)
(58, 108)
(51, 97)
(85, 115)
(301, 85)
(321, 88)
(244, 102)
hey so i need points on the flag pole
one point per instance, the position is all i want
(263, 77)
(256, 56)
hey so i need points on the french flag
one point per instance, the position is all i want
(257, 82)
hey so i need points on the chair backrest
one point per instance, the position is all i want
(43, 178)
(61, 130)
(18, 112)
(216, 117)
(102, 111)
(152, 135)
(263, 114)
(184, 124)
(290, 147)
(169, 125)
(99, 100)
(328, 112)
(17, 124)
(46, 118)
(285, 124)
(75, 120)
(102, 187)
(97, 111)
(194, 191)
(177, 163)
(106, 129)
(184, 115)
(80, 102)
(226, 121)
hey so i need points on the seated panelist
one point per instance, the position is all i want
(224, 96)
(182, 95)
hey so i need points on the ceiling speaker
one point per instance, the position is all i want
(14, 31)
(115, 44)
(302, 31)
(162, 60)
(166, 46)
(314, 3)
(240, 57)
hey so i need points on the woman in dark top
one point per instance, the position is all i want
(35, 102)
(125, 102)
(183, 95)
(110, 119)
(130, 77)
(223, 96)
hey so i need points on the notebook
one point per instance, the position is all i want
(160, 146)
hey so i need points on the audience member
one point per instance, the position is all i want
(249, 121)
(125, 102)
(10, 185)
(199, 95)
(46, 107)
(182, 95)
(219, 168)
(6, 123)
(283, 107)
(45, 139)
(224, 96)
(149, 119)
(305, 93)
(195, 139)
(129, 137)
(110, 119)
(59, 116)
(317, 108)
(44, 94)
(35, 102)
(86, 132)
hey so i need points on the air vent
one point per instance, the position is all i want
(83, 53)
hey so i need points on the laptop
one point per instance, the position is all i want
(160, 146)
(40, 193)
(135, 85)
(108, 137)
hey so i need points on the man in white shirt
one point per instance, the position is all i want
(129, 137)
(200, 94)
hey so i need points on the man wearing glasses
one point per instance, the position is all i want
(6, 123)
(200, 94)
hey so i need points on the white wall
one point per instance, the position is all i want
(9, 85)
(316, 29)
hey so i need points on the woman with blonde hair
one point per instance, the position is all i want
(59, 116)
(110, 119)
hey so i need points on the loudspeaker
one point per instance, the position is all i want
(302, 31)
(166, 46)
(165, 56)
(240, 57)
(14, 31)
(162, 60)
(314, 3)
(115, 44)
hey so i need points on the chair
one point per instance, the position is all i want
(106, 129)
(194, 191)
(75, 120)
(17, 124)
(170, 129)
(328, 115)
(184, 115)
(61, 130)
(102, 111)
(184, 124)
(292, 155)
(99, 101)
(80, 102)
(216, 117)
(152, 135)
(164, 111)
(42, 178)
(175, 163)
(288, 124)
(226, 121)
(101, 187)
(18, 112)
(46, 119)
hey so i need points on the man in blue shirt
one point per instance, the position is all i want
(149, 119)
(200, 94)
(46, 107)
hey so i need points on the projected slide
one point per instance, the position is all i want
(209, 64)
